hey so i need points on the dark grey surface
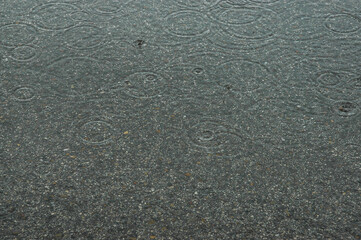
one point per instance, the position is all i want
(180, 119)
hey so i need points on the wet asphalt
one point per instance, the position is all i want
(180, 119)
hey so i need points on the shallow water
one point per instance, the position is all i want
(180, 119)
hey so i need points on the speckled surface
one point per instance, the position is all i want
(180, 119)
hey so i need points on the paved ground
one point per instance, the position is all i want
(180, 119)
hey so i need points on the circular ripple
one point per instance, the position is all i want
(78, 76)
(54, 16)
(22, 86)
(188, 78)
(302, 28)
(343, 23)
(238, 16)
(144, 84)
(345, 108)
(95, 131)
(197, 3)
(191, 71)
(340, 92)
(197, 70)
(297, 104)
(226, 41)
(355, 83)
(108, 7)
(264, 1)
(242, 27)
(17, 34)
(186, 24)
(245, 22)
(24, 53)
(24, 93)
(237, 2)
(245, 77)
(115, 50)
(329, 78)
(214, 137)
(83, 37)
(314, 72)
(304, 22)
(193, 75)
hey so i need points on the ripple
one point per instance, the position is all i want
(24, 53)
(194, 74)
(264, 1)
(338, 85)
(245, 78)
(197, 4)
(238, 16)
(54, 16)
(144, 84)
(311, 73)
(108, 7)
(245, 22)
(237, 2)
(24, 93)
(188, 78)
(115, 50)
(186, 23)
(347, 92)
(346, 108)
(304, 22)
(343, 23)
(22, 86)
(83, 37)
(242, 27)
(17, 34)
(330, 78)
(215, 137)
(355, 82)
(95, 131)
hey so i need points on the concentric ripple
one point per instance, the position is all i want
(212, 136)
(245, 77)
(95, 131)
(17, 34)
(24, 53)
(242, 27)
(144, 84)
(349, 91)
(83, 37)
(343, 23)
(346, 108)
(330, 78)
(21, 86)
(304, 22)
(237, 2)
(188, 78)
(264, 1)
(108, 7)
(194, 75)
(24, 93)
(54, 16)
(197, 4)
(186, 23)
(245, 22)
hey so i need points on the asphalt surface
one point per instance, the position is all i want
(180, 119)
